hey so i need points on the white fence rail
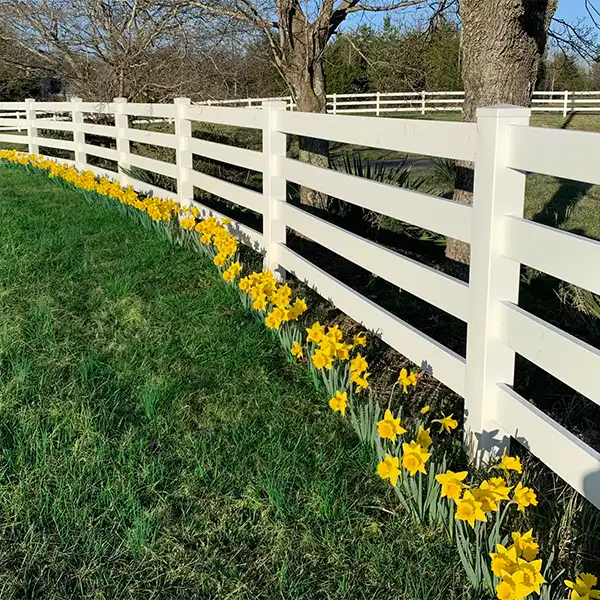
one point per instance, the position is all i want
(379, 103)
(503, 148)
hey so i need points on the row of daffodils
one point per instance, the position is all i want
(497, 560)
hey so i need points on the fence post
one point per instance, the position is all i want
(498, 191)
(274, 185)
(566, 103)
(184, 158)
(335, 104)
(78, 135)
(33, 147)
(423, 100)
(123, 147)
(378, 104)
(18, 124)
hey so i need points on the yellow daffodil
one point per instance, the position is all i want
(503, 560)
(414, 458)
(300, 306)
(359, 339)
(525, 545)
(235, 268)
(406, 380)
(316, 333)
(447, 423)
(274, 318)
(581, 588)
(388, 468)
(486, 496)
(510, 463)
(424, 438)
(498, 486)
(389, 428)
(342, 351)
(297, 350)
(339, 402)
(425, 409)
(512, 587)
(468, 509)
(360, 379)
(524, 497)
(358, 364)
(187, 223)
(260, 303)
(322, 360)
(335, 333)
(532, 576)
(452, 484)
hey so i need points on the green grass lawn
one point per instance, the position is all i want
(154, 443)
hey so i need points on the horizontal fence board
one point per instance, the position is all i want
(445, 365)
(13, 139)
(53, 125)
(151, 164)
(14, 123)
(571, 258)
(435, 287)
(432, 138)
(8, 106)
(53, 143)
(108, 153)
(430, 212)
(96, 129)
(228, 191)
(53, 106)
(147, 110)
(248, 236)
(236, 117)
(557, 152)
(562, 355)
(567, 455)
(154, 138)
(248, 159)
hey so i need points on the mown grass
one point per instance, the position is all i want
(154, 442)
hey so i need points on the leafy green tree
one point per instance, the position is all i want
(346, 69)
(564, 72)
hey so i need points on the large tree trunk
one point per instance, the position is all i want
(308, 85)
(503, 42)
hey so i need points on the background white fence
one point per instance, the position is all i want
(378, 103)
(503, 148)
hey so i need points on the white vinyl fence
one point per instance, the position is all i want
(378, 103)
(503, 148)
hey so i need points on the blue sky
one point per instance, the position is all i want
(572, 10)
(569, 10)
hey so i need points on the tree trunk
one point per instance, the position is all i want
(503, 42)
(308, 85)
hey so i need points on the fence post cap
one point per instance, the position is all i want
(76, 99)
(182, 100)
(274, 104)
(503, 111)
(120, 99)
